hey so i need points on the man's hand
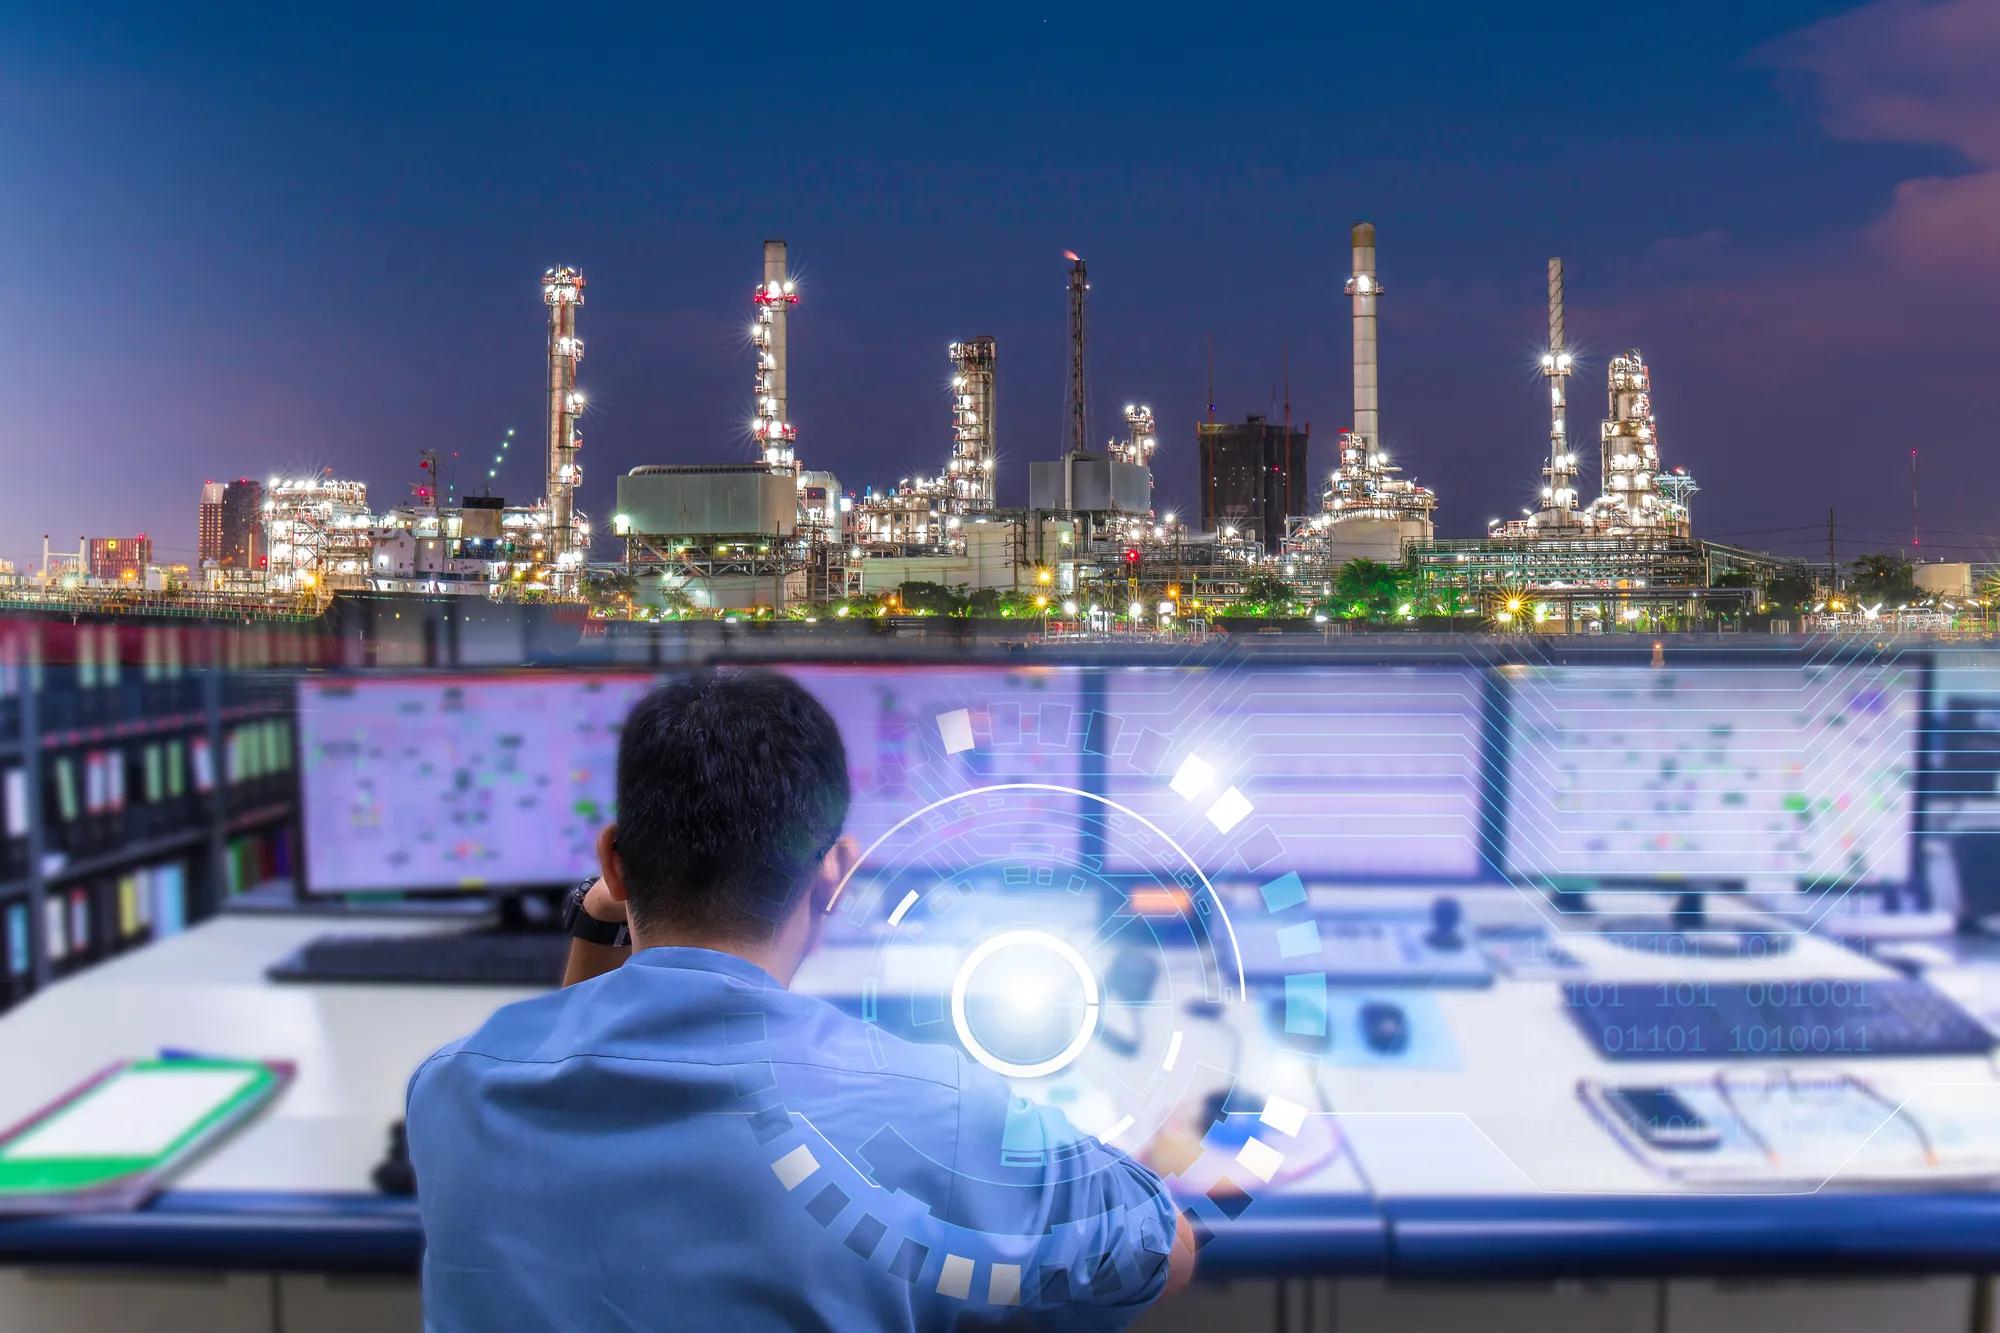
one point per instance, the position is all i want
(599, 903)
(587, 960)
(1171, 1152)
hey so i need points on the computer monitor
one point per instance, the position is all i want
(1353, 774)
(918, 736)
(500, 782)
(470, 782)
(1764, 778)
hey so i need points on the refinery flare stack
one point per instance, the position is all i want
(1368, 511)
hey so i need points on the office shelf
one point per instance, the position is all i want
(263, 814)
(108, 694)
(145, 849)
(130, 729)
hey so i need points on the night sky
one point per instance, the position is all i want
(257, 241)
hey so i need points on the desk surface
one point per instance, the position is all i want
(1489, 1167)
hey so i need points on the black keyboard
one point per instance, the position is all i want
(467, 958)
(1775, 1020)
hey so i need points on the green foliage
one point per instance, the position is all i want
(1264, 595)
(610, 590)
(933, 599)
(1790, 593)
(1368, 588)
(1884, 579)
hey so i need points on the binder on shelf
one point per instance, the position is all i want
(167, 904)
(65, 805)
(129, 920)
(153, 786)
(81, 934)
(20, 955)
(114, 795)
(203, 762)
(10, 684)
(18, 976)
(14, 823)
(55, 927)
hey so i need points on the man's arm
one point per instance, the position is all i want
(1180, 1264)
(587, 960)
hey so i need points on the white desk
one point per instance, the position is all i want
(204, 990)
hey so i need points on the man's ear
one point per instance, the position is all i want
(609, 867)
(834, 868)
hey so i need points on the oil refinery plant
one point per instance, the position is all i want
(771, 534)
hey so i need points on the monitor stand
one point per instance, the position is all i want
(1686, 930)
(529, 913)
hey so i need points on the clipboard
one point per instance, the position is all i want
(112, 1142)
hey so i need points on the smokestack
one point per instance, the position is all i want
(1364, 287)
(1559, 477)
(1077, 405)
(773, 301)
(776, 276)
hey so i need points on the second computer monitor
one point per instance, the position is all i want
(1760, 777)
(1357, 775)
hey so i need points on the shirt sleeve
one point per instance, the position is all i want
(1110, 1230)
(1095, 1228)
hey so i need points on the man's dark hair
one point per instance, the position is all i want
(731, 787)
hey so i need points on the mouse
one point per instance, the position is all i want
(1385, 1027)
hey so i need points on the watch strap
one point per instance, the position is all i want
(581, 925)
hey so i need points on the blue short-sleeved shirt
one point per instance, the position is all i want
(683, 1143)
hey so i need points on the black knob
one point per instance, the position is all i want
(1445, 917)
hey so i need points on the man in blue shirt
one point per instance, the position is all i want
(681, 1142)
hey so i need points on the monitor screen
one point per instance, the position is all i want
(468, 782)
(1351, 773)
(1767, 778)
(919, 735)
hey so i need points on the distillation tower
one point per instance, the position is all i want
(1369, 510)
(927, 514)
(1137, 447)
(569, 542)
(1638, 498)
(974, 452)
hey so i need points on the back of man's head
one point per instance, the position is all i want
(731, 788)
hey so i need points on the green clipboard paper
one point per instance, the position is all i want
(114, 1141)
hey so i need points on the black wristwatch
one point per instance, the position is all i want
(583, 926)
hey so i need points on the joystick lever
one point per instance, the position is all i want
(1446, 914)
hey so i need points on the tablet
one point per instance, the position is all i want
(115, 1140)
